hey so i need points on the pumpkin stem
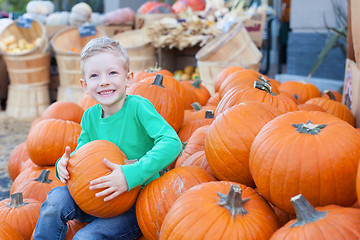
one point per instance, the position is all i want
(44, 177)
(305, 212)
(209, 114)
(262, 79)
(158, 80)
(196, 106)
(233, 201)
(309, 127)
(263, 86)
(16, 200)
(183, 147)
(331, 95)
(196, 83)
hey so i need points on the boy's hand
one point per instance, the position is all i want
(62, 166)
(114, 183)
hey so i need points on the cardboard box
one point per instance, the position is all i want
(255, 27)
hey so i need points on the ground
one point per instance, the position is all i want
(12, 132)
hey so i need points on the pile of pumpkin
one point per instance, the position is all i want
(261, 160)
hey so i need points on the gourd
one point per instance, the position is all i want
(87, 164)
(80, 14)
(65, 110)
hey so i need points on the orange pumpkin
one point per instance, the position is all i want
(195, 143)
(214, 100)
(219, 210)
(229, 138)
(332, 94)
(189, 128)
(198, 159)
(335, 108)
(21, 214)
(165, 100)
(198, 112)
(158, 196)
(294, 153)
(302, 91)
(310, 107)
(87, 164)
(64, 110)
(38, 188)
(223, 74)
(330, 222)
(7, 232)
(47, 140)
(201, 92)
(86, 101)
(260, 92)
(16, 159)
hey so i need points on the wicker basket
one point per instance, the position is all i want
(37, 30)
(141, 51)
(234, 48)
(69, 62)
(27, 101)
(69, 93)
(28, 69)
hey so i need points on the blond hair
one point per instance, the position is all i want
(103, 44)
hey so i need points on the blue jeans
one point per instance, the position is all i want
(59, 208)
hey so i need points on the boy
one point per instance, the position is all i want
(129, 121)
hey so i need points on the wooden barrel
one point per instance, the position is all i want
(27, 101)
(69, 93)
(34, 34)
(138, 46)
(28, 69)
(67, 45)
(233, 48)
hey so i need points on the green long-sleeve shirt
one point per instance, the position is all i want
(140, 132)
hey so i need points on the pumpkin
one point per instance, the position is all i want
(195, 143)
(86, 101)
(201, 92)
(21, 214)
(64, 110)
(334, 95)
(87, 164)
(187, 96)
(47, 140)
(229, 138)
(335, 108)
(294, 153)
(80, 14)
(219, 210)
(38, 188)
(7, 232)
(158, 196)
(197, 159)
(302, 91)
(166, 100)
(198, 112)
(213, 100)
(223, 74)
(139, 76)
(260, 92)
(329, 222)
(31, 173)
(27, 164)
(189, 128)
(310, 107)
(16, 159)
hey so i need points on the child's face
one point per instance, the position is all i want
(106, 80)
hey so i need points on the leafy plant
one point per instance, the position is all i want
(336, 37)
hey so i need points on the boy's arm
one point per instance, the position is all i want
(167, 147)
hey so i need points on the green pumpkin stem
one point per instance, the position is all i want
(16, 200)
(263, 86)
(196, 83)
(44, 177)
(209, 114)
(196, 106)
(158, 80)
(262, 79)
(233, 201)
(309, 127)
(331, 95)
(305, 212)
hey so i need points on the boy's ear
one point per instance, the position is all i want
(129, 78)
(84, 85)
